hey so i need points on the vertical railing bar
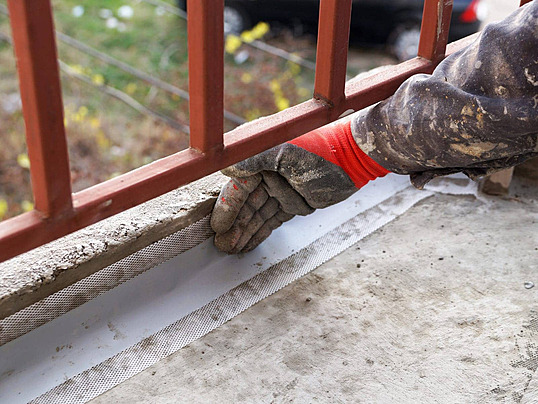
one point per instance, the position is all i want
(434, 30)
(35, 50)
(332, 50)
(205, 24)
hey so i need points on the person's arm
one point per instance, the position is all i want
(476, 113)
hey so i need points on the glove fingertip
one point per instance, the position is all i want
(221, 221)
(231, 199)
(226, 242)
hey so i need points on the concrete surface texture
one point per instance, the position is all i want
(436, 307)
(30, 277)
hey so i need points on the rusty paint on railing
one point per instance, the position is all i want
(434, 29)
(331, 56)
(41, 95)
(206, 74)
(57, 214)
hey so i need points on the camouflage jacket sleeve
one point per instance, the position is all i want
(477, 113)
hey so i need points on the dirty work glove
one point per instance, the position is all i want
(314, 171)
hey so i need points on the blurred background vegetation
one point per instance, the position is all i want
(108, 136)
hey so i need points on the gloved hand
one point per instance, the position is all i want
(316, 170)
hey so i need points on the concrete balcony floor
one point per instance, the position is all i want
(433, 307)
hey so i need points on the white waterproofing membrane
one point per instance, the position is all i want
(92, 335)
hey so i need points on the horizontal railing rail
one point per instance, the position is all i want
(58, 212)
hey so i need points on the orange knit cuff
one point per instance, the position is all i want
(336, 144)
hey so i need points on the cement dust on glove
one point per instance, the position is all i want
(314, 171)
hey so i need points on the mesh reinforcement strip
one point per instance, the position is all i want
(147, 352)
(376, 205)
(100, 282)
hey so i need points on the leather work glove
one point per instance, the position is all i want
(316, 170)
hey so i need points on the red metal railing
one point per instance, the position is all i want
(59, 212)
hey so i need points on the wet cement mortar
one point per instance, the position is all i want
(431, 308)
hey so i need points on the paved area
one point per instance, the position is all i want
(436, 307)
(432, 308)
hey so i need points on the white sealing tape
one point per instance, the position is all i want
(104, 329)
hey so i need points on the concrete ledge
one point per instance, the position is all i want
(30, 277)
